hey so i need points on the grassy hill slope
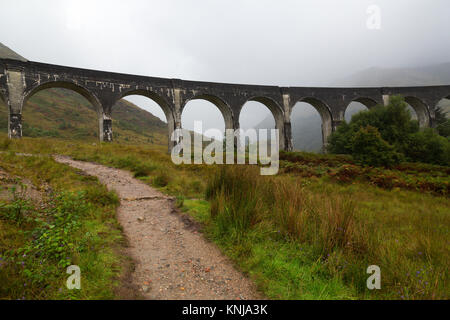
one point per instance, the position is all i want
(62, 113)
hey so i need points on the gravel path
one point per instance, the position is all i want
(172, 260)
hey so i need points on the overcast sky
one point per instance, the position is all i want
(282, 42)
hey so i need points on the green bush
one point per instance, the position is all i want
(140, 168)
(101, 196)
(143, 169)
(161, 180)
(398, 137)
(340, 141)
(54, 239)
(426, 146)
(18, 208)
(443, 123)
(369, 148)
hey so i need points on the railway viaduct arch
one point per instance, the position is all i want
(20, 79)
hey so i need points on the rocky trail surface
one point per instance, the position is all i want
(172, 259)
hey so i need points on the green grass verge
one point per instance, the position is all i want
(282, 269)
(76, 225)
(290, 232)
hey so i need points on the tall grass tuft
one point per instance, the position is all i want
(234, 200)
(240, 198)
(327, 222)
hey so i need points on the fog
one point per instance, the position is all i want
(284, 42)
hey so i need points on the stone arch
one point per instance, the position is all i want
(277, 113)
(275, 109)
(357, 105)
(65, 85)
(366, 101)
(421, 109)
(223, 107)
(325, 114)
(69, 85)
(163, 104)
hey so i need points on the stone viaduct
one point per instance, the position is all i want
(20, 79)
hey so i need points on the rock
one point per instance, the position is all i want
(145, 289)
(140, 219)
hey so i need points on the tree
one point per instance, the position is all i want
(340, 141)
(427, 146)
(368, 147)
(396, 129)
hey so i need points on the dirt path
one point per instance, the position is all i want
(172, 260)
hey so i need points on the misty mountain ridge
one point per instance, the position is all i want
(432, 75)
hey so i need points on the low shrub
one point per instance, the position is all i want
(101, 196)
(162, 179)
(17, 209)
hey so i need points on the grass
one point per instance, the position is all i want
(405, 234)
(76, 225)
(299, 237)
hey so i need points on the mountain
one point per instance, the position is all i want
(438, 74)
(306, 126)
(65, 114)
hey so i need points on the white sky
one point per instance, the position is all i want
(279, 42)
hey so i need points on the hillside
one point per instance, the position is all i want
(62, 113)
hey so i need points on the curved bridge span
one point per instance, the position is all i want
(20, 79)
